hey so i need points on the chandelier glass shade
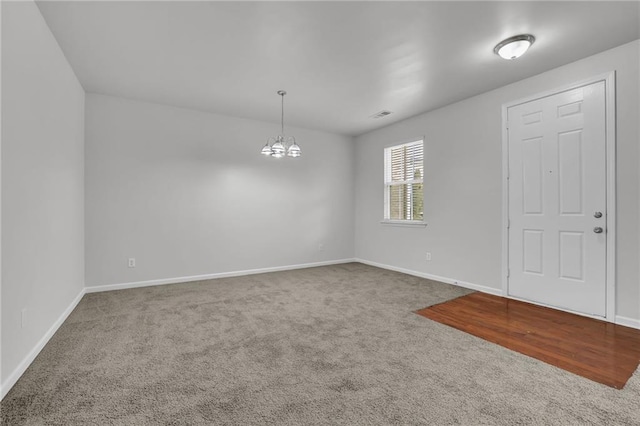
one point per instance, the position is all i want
(281, 145)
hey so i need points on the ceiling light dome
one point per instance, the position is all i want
(514, 47)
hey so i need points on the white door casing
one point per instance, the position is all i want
(557, 155)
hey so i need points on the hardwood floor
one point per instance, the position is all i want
(604, 352)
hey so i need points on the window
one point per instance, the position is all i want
(403, 191)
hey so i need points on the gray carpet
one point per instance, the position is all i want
(329, 345)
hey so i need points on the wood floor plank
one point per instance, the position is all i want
(600, 351)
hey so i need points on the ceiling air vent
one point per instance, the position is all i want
(380, 114)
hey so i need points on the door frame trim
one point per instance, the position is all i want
(609, 80)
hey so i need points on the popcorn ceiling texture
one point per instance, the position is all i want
(330, 345)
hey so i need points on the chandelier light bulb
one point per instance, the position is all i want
(294, 150)
(266, 149)
(278, 150)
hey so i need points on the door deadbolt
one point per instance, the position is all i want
(597, 230)
(597, 215)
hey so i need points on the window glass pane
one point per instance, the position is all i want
(397, 202)
(397, 164)
(403, 173)
(418, 202)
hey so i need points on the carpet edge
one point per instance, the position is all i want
(453, 281)
(176, 280)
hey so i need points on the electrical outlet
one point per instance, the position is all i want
(23, 317)
(320, 247)
(428, 257)
(132, 262)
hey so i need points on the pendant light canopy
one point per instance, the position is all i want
(514, 47)
(281, 146)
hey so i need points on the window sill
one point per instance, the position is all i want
(405, 223)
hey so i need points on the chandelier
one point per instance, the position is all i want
(280, 145)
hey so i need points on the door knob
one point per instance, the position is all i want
(597, 230)
(597, 215)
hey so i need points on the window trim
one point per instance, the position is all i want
(398, 222)
(404, 223)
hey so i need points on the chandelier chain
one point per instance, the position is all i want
(282, 116)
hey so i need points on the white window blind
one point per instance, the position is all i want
(403, 179)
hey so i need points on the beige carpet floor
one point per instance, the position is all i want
(324, 346)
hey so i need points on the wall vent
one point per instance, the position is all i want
(380, 114)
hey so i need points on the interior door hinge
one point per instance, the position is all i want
(508, 223)
(508, 272)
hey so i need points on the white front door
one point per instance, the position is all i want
(557, 200)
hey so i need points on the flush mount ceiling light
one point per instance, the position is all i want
(280, 146)
(514, 47)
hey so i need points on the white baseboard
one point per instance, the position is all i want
(628, 322)
(122, 286)
(26, 362)
(472, 286)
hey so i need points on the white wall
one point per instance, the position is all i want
(187, 193)
(463, 182)
(42, 184)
